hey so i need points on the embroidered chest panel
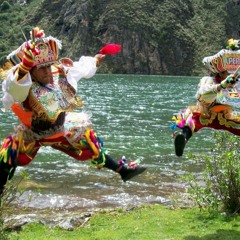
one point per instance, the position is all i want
(50, 100)
(230, 96)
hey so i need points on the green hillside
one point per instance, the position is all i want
(158, 36)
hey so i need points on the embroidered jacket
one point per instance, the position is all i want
(49, 103)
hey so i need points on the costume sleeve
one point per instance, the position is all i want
(13, 90)
(84, 68)
(207, 91)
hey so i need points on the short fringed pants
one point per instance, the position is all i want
(17, 152)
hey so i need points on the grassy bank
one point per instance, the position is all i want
(148, 222)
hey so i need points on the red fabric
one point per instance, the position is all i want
(61, 144)
(111, 48)
(24, 159)
(85, 155)
(215, 124)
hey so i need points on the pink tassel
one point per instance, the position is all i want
(111, 48)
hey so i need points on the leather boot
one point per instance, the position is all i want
(181, 140)
(125, 172)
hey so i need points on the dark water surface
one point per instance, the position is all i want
(132, 114)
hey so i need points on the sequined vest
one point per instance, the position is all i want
(49, 102)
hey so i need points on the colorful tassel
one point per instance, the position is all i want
(111, 48)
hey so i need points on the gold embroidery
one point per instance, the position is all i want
(227, 122)
(48, 102)
(225, 119)
(206, 119)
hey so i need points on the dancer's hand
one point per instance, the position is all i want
(229, 82)
(100, 58)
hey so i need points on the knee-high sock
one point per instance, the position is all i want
(111, 164)
(187, 132)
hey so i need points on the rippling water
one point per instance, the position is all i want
(132, 114)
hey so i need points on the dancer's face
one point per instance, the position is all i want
(42, 75)
(223, 75)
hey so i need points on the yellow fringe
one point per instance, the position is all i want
(91, 144)
(21, 146)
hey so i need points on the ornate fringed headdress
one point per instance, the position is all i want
(48, 46)
(225, 60)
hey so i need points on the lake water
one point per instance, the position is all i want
(132, 115)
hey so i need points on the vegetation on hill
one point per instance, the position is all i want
(158, 37)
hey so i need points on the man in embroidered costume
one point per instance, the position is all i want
(218, 98)
(41, 91)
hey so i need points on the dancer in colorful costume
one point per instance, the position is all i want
(41, 91)
(218, 98)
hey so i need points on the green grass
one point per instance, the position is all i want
(148, 222)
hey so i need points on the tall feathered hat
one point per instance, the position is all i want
(225, 60)
(48, 46)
